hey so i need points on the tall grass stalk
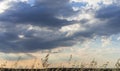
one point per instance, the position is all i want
(16, 63)
(33, 65)
(45, 61)
(93, 64)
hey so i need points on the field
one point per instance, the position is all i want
(62, 69)
(93, 66)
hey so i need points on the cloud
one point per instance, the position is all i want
(14, 57)
(4, 5)
(19, 36)
(52, 24)
(118, 38)
(71, 29)
(32, 38)
(111, 15)
(105, 41)
(43, 13)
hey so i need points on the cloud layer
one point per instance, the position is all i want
(26, 27)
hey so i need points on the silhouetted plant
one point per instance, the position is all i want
(117, 63)
(33, 65)
(45, 61)
(105, 65)
(93, 64)
(16, 63)
(70, 59)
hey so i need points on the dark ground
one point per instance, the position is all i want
(61, 69)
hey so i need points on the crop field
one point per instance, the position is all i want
(46, 66)
(63, 69)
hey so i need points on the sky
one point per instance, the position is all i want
(84, 29)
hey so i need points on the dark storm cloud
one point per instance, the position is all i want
(37, 44)
(11, 42)
(33, 44)
(112, 15)
(43, 13)
(1, 0)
